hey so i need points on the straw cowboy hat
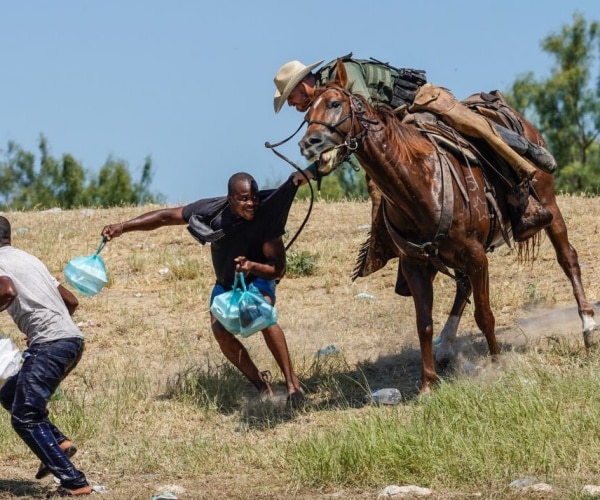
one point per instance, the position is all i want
(288, 76)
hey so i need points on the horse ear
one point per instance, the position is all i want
(341, 76)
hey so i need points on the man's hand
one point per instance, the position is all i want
(112, 231)
(299, 180)
(243, 265)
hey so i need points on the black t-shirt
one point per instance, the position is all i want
(242, 237)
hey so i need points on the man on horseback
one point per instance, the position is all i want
(408, 92)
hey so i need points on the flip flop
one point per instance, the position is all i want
(61, 491)
(43, 471)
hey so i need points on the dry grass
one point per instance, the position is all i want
(148, 328)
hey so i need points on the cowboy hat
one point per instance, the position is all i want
(286, 79)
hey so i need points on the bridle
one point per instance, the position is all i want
(356, 115)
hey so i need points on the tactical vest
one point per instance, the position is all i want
(386, 84)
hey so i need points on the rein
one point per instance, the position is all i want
(312, 193)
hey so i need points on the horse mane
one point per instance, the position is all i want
(409, 143)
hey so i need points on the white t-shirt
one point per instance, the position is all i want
(38, 310)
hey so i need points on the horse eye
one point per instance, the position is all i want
(335, 104)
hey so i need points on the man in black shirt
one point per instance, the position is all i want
(245, 232)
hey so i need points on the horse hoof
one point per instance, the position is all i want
(591, 338)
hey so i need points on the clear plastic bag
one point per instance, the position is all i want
(225, 308)
(10, 359)
(87, 274)
(255, 312)
(243, 310)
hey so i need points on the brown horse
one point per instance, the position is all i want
(436, 208)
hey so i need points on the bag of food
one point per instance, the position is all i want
(243, 310)
(225, 308)
(87, 274)
(10, 359)
(255, 312)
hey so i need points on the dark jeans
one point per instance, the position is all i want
(26, 395)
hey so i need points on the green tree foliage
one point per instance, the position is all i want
(64, 183)
(566, 105)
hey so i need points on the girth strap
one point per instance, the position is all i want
(429, 249)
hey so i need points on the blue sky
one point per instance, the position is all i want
(191, 84)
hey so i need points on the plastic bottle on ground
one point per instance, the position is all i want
(388, 396)
(330, 350)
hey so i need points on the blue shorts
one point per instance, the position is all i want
(265, 286)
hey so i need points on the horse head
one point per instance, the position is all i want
(337, 120)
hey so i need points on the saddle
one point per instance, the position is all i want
(378, 249)
(494, 106)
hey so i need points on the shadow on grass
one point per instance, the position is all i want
(222, 389)
(20, 488)
(329, 382)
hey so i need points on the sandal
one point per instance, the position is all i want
(61, 491)
(43, 470)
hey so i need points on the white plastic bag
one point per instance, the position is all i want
(10, 359)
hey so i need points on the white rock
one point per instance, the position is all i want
(591, 489)
(401, 491)
(539, 488)
(522, 483)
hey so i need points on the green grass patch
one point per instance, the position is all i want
(541, 423)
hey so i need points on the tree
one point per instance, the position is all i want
(566, 105)
(64, 183)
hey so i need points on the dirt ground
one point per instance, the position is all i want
(154, 323)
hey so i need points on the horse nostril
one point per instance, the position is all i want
(310, 141)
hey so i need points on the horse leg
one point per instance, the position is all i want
(419, 277)
(566, 255)
(477, 270)
(445, 342)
